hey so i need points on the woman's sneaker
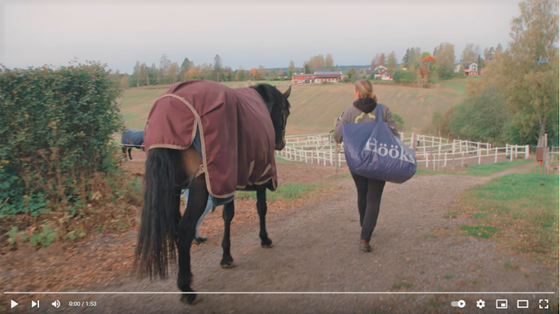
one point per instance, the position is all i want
(364, 246)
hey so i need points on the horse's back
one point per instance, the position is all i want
(133, 137)
(235, 129)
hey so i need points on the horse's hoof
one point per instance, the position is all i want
(190, 299)
(228, 265)
(267, 244)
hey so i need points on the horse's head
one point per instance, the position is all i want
(279, 108)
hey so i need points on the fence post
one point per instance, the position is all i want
(427, 161)
(453, 147)
(527, 152)
(516, 151)
(496, 156)
(445, 159)
(510, 153)
(462, 158)
(479, 152)
(507, 149)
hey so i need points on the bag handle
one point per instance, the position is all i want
(379, 113)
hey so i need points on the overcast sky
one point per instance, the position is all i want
(244, 33)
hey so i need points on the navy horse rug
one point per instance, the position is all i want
(133, 138)
(230, 128)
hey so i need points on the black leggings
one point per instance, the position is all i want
(369, 201)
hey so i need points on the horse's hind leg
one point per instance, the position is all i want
(261, 208)
(229, 212)
(129, 155)
(198, 196)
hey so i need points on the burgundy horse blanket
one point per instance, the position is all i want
(235, 129)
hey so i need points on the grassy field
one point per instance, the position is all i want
(478, 170)
(315, 107)
(520, 210)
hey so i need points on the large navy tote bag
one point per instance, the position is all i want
(373, 151)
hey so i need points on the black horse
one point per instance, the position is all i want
(163, 229)
(132, 139)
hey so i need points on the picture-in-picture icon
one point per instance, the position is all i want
(501, 304)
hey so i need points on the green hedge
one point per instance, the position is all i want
(55, 134)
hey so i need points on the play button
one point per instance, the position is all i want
(14, 304)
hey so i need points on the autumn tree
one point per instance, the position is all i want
(351, 73)
(254, 74)
(164, 64)
(406, 59)
(191, 75)
(427, 62)
(470, 53)
(185, 66)
(144, 75)
(329, 62)
(263, 72)
(272, 73)
(291, 69)
(499, 48)
(306, 68)
(173, 73)
(527, 72)
(316, 62)
(135, 78)
(281, 73)
(217, 67)
(374, 61)
(382, 61)
(445, 56)
(391, 61)
(488, 54)
(227, 74)
(412, 58)
(240, 75)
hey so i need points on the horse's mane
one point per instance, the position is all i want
(270, 95)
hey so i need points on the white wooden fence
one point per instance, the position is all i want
(431, 151)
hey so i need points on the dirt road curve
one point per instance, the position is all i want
(316, 249)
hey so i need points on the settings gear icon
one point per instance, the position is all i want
(480, 304)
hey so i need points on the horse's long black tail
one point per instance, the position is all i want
(161, 212)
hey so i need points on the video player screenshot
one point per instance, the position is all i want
(279, 156)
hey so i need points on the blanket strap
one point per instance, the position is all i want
(195, 175)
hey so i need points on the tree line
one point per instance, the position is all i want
(516, 100)
(171, 72)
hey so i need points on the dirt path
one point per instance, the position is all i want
(316, 249)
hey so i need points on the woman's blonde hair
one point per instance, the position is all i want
(365, 88)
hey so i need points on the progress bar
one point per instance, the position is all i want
(280, 293)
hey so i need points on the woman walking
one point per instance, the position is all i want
(369, 190)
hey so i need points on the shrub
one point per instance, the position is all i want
(55, 133)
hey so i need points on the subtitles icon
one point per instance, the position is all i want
(460, 304)
(501, 304)
(56, 304)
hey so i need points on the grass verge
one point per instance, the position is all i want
(284, 192)
(520, 210)
(477, 170)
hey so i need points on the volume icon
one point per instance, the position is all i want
(56, 304)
